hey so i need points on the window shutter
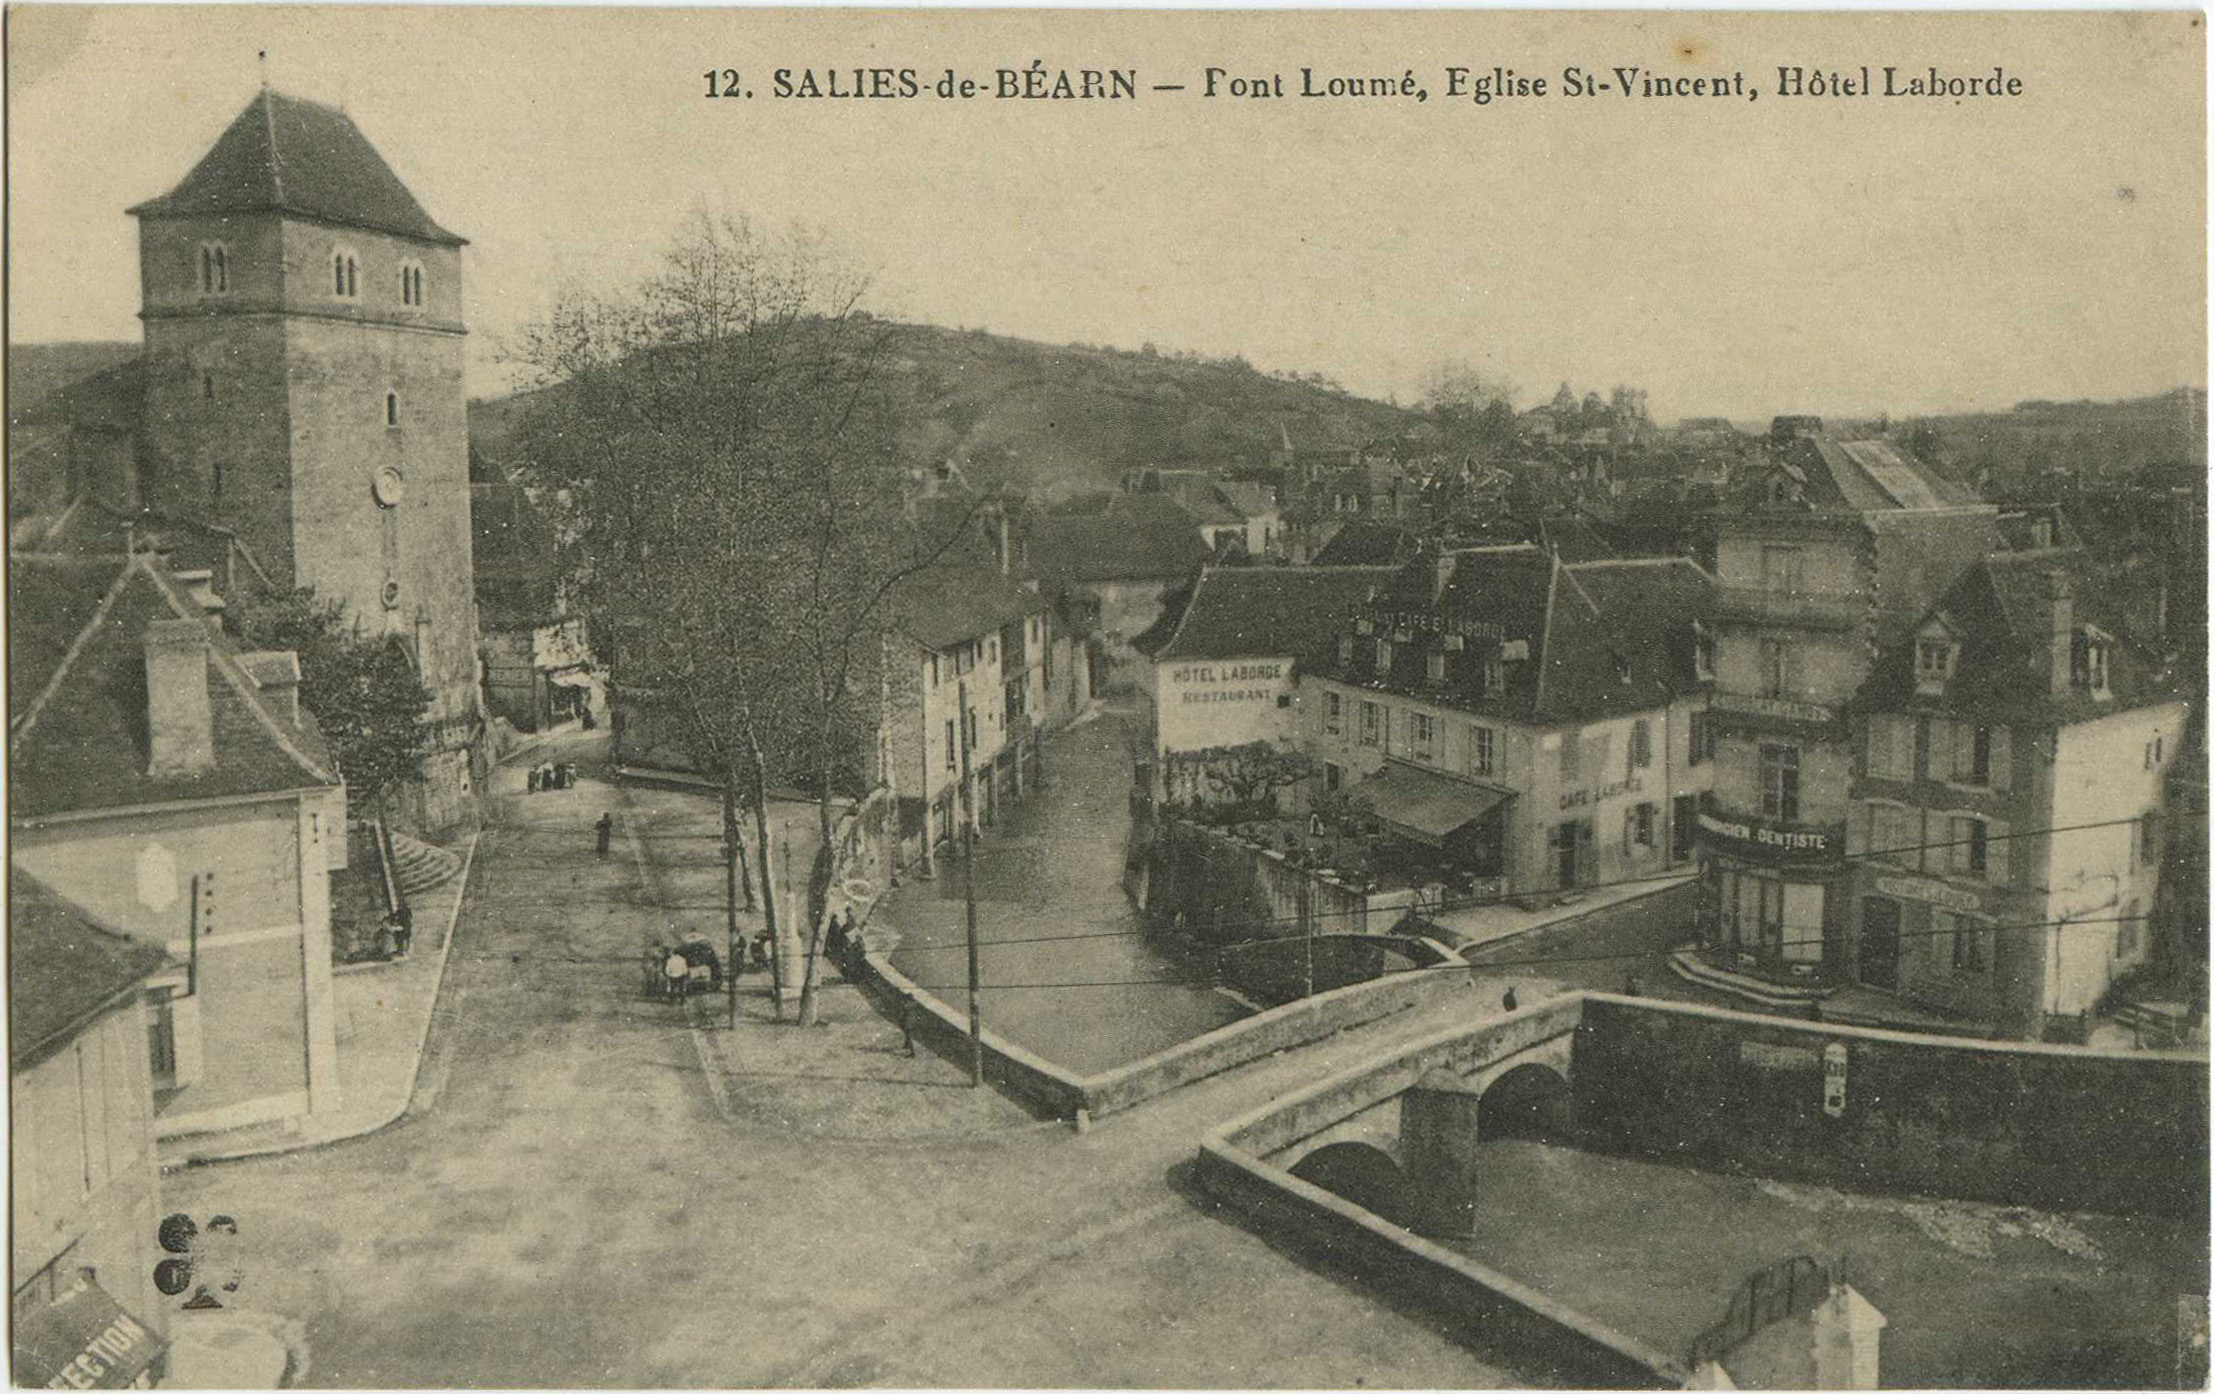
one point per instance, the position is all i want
(1629, 830)
(1994, 852)
(1864, 829)
(2002, 759)
(1941, 748)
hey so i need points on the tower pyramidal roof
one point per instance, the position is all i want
(289, 155)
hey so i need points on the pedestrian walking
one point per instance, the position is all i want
(403, 930)
(836, 942)
(604, 830)
(678, 971)
(1508, 1001)
(533, 779)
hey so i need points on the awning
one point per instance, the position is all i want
(83, 1341)
(1424, 806)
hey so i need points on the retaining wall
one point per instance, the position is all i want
(2060, 1127)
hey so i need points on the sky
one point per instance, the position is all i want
(1734, 258)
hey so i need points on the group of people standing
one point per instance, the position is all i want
(550, 776)
(674, 971)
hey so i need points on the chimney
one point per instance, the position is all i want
(1006, 551)
(2061, 644)
(179, 722)
(277, 673)
(200, 585)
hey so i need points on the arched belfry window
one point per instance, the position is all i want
(215, 268)
(345, 282)
(411, 284)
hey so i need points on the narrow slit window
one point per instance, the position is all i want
(391, 408)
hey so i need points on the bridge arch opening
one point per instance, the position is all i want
(1364, 1174)
(1529, 1101)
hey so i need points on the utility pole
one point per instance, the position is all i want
(968, 894)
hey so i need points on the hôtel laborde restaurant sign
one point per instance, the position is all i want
(1209, 682)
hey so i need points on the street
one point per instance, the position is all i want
(565, 1206)
(1050, 876)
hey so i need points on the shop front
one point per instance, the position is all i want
(1772, 896)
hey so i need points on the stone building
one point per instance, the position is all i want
(1516, 719)
(1827, 554)
(86, 1189)
(2009, 759)
(171, 786)
(302, 385)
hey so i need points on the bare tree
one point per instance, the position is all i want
(722, 437)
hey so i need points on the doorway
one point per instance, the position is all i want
(1879, 943)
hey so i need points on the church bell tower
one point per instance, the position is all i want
(303, 322)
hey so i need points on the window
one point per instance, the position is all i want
(2089, 668)
(1780, 668)
(1383, 657)
(953, 754)
(173, 1035)
(1598, 756)
(934, 678)
(1702, 652)
(411, 284)
(1641, 744)
(1345, 651)
(1783, 569)
(2147, 847)
(1701, 738)
(1332, 777)
(1572, 757)
(1891, 747)
(1970, 952)
(1436, 666)
(207, 391)
(1425, 734)
(215, 269)
(2155, 751)
(391, 408)
(1895, 834)
(1972, 754)
(1779, 782)
(344, 279)
(1971, 846)
(1371, 724)
(1933, 664)
(1495, 676)
(1483, 750)
(1637, 829)
(1334, 715)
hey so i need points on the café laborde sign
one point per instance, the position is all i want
(1226, 682)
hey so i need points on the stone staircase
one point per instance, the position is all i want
(418, 866)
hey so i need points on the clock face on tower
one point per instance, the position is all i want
(389, 486)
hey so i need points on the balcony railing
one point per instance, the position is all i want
(1813, 610)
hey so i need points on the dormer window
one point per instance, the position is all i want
(1437, 667)
(2090, 662)
(1934, 657)
(215, 268)
(1495, 676)
(1383, 657)
(1345, 651)
(1702, 652)
(345, 274)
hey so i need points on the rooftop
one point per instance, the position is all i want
(289, 155)
(1135, 537)
(1250, 611)
(77, 696)
(63, 969)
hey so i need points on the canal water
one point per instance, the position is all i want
(1067, 971)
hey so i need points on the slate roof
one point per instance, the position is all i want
(1364, 542)
(64, 969)
(289, 155)
(2001, 612)
(942, 607)
(1603, 637)
(1136, 537)
(1254, 611)
(1866, 476)
(77, 737)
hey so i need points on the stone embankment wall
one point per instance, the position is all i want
(2059, 1127)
